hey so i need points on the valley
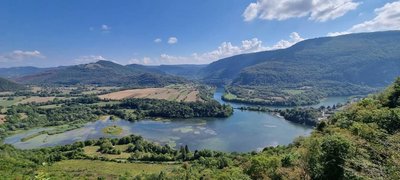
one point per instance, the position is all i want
(197, 133)
(305, 111)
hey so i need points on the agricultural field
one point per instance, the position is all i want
(87, 169)
(98, 90)
(184, 93)
(38, 99)
(14, 100)
(9, 101)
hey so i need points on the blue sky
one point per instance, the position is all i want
(57, 32)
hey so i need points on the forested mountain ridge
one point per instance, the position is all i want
(14, 72)
(6, 85)
(371, 59)
(102, 73)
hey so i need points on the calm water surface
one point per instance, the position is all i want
(241, 132)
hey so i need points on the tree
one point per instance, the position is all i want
(335, 150)
(394, 97)
(187, 149)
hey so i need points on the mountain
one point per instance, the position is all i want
(6, 85)
(184, 70)
(371, 59)
(15, 72)
(101, 73)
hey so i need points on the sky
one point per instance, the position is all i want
(48, 33)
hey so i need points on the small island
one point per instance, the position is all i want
(113, 130)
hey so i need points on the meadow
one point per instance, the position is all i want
(183, 93)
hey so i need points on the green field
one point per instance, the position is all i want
(113, 130)
(293, 91)
(87, 169)
(5, 102)
(229, 96)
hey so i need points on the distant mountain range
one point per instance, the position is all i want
(14, 72)
(367, 59)
(93, 73)
(101, 73)
(371, 59)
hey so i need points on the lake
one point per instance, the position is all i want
(242, 132)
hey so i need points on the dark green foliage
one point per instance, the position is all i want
(187, 71)
(172, 109)
(394, 97)
(332, 66)
(106, 147)
(335, 151)
(307, 116)
(101, 73)
(6, 85)
(14, 72)
(290, 94)
(366, 58)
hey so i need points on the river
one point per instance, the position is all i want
(242, 132)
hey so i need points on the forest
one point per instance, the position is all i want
(292, 95)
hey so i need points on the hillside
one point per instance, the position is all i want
(15, 72)
(184, 70)
(365, 59)
(6, 85)
(101, 73)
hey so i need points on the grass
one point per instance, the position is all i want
(104, 103)
(38, 99)
(51, 106)
(53, 131)
(113, 130)
(27, 138)
(88, 169)
(5, 102)
(64, 128)
(229, 96)
(293, 91)
(186, 93)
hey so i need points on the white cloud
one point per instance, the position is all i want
(105, 28)
(158, 40)
(89, 59)
(387, 18)
(316, 10)
(145, 60)
(172, 40)
(19, 55)
(226, 49)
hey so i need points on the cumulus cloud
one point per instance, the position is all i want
(19, 55)
(316, 10)
(387, 18)
(158, 40)
(144, 60)
(105, 28)
(89, 59)
(226, 49)
(172, 40)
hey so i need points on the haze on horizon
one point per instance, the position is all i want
(53, 33)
